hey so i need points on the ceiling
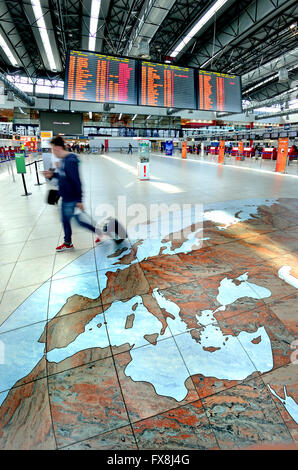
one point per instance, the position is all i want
(242, 37)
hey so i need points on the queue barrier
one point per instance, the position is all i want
(8, 159)
(37, 177)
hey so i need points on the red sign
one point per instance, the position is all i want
(282, 154)
(221, 152)
(240, 148)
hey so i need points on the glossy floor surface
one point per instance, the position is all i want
(170, 340)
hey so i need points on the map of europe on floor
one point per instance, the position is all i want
(172, 342)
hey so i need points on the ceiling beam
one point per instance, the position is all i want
(252, 16)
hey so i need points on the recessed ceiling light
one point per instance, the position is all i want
(199, 25)
(7, 51)
(95, 8)
(39, 16)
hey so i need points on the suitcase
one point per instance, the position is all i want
(110, 227)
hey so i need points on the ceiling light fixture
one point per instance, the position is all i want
(199, 25)
(95, 8)
(134, 117)
(7, 51)
(43, 33)
(120, 116)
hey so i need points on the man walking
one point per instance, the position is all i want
(70, 190)
(129, 148)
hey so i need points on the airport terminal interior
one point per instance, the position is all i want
(174, 328)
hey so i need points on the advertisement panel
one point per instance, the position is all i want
(63, 123)
(169, 147)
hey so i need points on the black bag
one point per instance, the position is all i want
(53, 197)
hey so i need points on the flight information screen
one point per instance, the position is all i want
(100, 78)
(219, 92)
(166, 85)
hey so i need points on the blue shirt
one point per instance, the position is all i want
(70, 187)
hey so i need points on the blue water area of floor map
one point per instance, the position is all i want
(230, 353)
(34, 309)
(22, 351)
(144, 323)
(85, 285)
(162, 366)
(116, 317)
(83, 265)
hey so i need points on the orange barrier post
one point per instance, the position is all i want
(184, 149)
(221, 152)
(282, 154)
(240, 150)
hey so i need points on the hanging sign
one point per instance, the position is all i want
(20, 162)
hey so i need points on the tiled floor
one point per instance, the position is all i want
(155, 343)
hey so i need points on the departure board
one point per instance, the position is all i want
(166, 85)
(100, 78)
(219, 92)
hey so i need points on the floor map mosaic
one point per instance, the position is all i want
(162, 342)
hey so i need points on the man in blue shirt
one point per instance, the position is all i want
(70, 190)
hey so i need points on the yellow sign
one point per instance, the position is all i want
(46, 134)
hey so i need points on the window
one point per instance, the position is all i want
(48, 90)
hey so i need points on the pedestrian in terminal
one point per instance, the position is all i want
(70, 190)
(129, 148)
(102, 148)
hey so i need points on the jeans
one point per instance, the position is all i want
(67, 212)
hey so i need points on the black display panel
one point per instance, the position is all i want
(61, 123)
(165, 85)
(100, 78)
(219, 92)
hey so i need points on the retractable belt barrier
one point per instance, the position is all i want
(37, 177)
(23, 177)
